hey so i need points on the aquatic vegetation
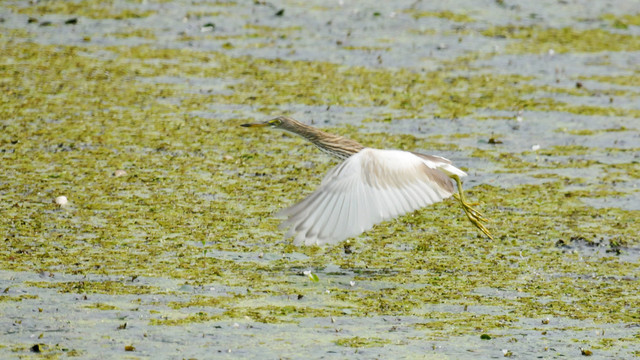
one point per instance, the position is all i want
(449, 15)
(186, 239)
(622, 22)
(358, 342)
(86, 8)
(536, 39)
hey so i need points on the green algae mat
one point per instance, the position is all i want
(167, 246)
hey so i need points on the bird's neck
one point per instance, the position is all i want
(338, 146)
(334, 145)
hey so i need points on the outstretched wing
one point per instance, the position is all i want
(367, 188)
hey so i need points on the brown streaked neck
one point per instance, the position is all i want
(334, 145)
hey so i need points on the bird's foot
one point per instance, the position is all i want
(475, 216)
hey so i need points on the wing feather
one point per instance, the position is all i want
(367, 188)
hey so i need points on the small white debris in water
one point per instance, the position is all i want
(328, 291)
(236, 325)
(61, 200)
(519, 118)
(551, 52)
(352, 283)
(535, 147)
(208, 27)
(119, 173)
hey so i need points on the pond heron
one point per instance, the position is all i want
(368, 187)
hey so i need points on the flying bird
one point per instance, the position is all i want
(368, 187)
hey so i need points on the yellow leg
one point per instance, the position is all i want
(474, 215)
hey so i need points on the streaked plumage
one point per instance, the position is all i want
(368, 187)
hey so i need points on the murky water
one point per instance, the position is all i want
(180, 256)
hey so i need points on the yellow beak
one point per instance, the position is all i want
(255, 125)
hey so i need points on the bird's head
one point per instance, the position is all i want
(279, 122)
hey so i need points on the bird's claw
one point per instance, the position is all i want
(467, 204)
(476, 218)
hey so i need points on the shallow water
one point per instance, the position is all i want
(181, 256)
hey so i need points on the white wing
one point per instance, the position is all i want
(367, 188)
